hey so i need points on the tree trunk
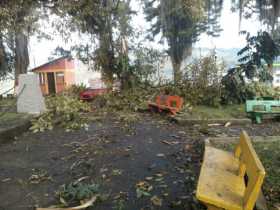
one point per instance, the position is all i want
(106, 60)
(270, 68)
(177, 61)
(107, 56)
(3, 59)
(177, 74)
(21, 55)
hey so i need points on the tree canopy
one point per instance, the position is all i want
(108, 24)
(17, 23)
(180, 23)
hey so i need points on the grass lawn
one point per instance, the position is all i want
(11, 118)
(12, 124)
(6, 102)
(8, 113)
(269, 155)
(7, 105)
(7, 116)
(223, 112)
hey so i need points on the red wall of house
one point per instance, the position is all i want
(65, 66)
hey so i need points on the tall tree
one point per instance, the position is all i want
(268, 11)
(18, 20)
(3, 59)
(180, 22)
(107, 22)
(258, 56)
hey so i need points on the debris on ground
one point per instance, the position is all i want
(62, 111)
(228, 124)
(83, 206)
(170, 143)
(160, 155)
(77, 192)
(163, 157)
(143, 188)
(39, 176)
(156, 201)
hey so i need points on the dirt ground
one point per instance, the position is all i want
(117, 157)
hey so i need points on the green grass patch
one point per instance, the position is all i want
(9, 118)
(223, 112)
(269, 154)
(6, 102)
(8, 114)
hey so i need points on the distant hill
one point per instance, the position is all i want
(228, 55)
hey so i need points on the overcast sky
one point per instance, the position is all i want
(229, 38)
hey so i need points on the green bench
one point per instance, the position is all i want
(257, 108)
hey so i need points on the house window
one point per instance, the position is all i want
(42, 78)
(60, 77)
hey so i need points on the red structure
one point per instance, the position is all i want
(172, 104)
(57, 75)
(90, 94)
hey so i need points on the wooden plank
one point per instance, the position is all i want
(221, 181)
(254, 170)
(219, 184)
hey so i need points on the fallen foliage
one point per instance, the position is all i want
(83, 206)
(126, 100)
(74, 91)
(76, 192)
(143, 188)
(257, 89)
(63, 111)
(156, 201)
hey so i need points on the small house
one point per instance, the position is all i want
(55, 76)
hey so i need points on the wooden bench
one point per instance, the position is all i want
(256, 109)
(230, 181)
(172, 104)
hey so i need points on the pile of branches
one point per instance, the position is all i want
(201, 83)
(257, 89)
(62, 111)
(236, 90)
(127, 100)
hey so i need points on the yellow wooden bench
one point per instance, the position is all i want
(230, 181)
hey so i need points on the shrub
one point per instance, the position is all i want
(201, 84)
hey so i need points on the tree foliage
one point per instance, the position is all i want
(268, 11)
(108, 25)
(17, 23)
(256, 62)
(180, 23)
(258, 55)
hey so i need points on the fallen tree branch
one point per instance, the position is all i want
(83, 206)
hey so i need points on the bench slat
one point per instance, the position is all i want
(166, 102)
(256, 108)
(222, 177)
(254, 170)
(218, 183)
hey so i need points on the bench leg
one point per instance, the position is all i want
(258, 118)
(211, 207)
(153, 109)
